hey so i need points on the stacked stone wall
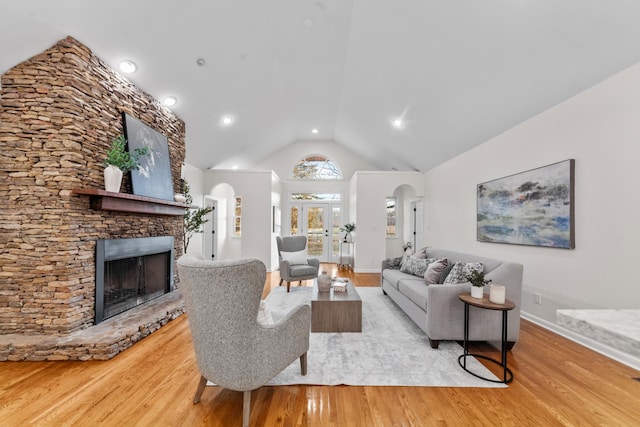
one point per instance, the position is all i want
(59, 112)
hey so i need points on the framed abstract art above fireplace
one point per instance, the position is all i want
(153, 178)
(534, 208)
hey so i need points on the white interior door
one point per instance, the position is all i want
(417, 224)
(210, 238)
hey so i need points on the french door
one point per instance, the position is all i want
(320, 222)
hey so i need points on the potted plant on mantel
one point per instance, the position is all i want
(119, 161)
(476, 277)
(348, 228)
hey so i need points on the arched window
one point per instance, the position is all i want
(316, 167)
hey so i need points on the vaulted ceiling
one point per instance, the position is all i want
(458, 72)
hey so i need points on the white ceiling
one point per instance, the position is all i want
(458, 71)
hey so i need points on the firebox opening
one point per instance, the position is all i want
(130, 272)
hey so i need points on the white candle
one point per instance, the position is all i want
(497, 294)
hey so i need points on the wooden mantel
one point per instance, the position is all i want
(123, 202)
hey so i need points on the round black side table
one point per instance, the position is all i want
(484, 303)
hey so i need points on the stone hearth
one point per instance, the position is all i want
(101, 342)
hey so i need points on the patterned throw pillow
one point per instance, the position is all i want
(414, 266)
(394, 263)
(458, 273)
(406, 255)
(434, 270)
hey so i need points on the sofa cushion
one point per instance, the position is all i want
(434, 270)
(302, 270)
(394, 276)
(415, 266)
(295, 258)
(458, 273)
(415, 290)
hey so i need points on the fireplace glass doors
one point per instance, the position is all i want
(130, 272)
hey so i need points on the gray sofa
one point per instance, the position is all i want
(437, 310)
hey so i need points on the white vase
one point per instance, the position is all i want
(324, 282)
(112, 179)
(476, 291)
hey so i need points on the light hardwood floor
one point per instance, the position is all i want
(557, 382)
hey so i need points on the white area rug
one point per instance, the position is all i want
(390, 351)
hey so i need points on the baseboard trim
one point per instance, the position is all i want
(610, 352)
(367, 270)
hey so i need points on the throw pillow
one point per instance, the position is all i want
(414, 266)
(434, 270)
(406, 255)
(445, 273)
(264, 315)
(422, 253)
(458, 273)
(394, 263)
(295, 258)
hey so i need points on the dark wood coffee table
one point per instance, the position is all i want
(336, 311)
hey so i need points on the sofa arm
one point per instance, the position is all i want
(314, 262)
(284, 270)
(444, 308)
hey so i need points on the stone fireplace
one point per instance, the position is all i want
(59, 111)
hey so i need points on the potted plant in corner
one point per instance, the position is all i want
(476, 277)
(348, 228)
(119, 161)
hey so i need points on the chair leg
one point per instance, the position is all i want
(281, 279)
(246, 408)
(201, 385)
(303, 364)
(288, 286)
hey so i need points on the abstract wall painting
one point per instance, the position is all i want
(153, 178)
(533, 208)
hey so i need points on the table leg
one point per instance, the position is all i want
(466, 334)
(504, 345)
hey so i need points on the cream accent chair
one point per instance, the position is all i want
(232, 349)
(292, 272)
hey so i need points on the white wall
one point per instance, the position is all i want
(255, 187)
(372, 189)
(283, 161)
(599, 128)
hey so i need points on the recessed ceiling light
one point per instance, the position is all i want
(128, 67)
(227, 120)
(314, 130)
(308, 22)
(170, 101)
(397, 123)
(201, 62)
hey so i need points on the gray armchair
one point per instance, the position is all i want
(232, 349)
(292, 271)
